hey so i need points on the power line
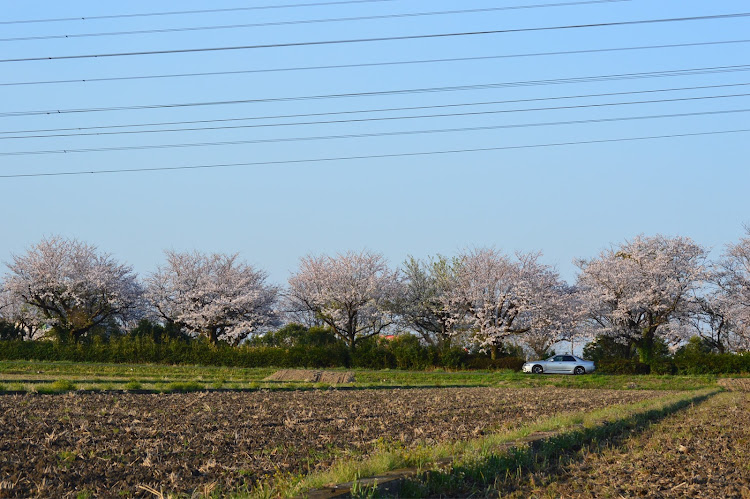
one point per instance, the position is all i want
(307, 21)
(369, 135)
(183, 12)
(377, 156)
(376, 39)
(380, 110)
(482, 86)
(374, 64)
(382, 118)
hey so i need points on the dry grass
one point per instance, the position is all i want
(310, 376)
(735, 384)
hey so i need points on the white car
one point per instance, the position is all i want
(561, 364)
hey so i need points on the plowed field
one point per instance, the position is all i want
(110, 444)
(703, 451)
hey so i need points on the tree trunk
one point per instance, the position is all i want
(212, 336)
(646, 346)
(447, 342)
(63, 335)
(493, 352)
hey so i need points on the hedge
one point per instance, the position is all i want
(701, 363)
(401, 353)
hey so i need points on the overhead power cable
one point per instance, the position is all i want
(376, 156)
(377, 119)
(184, 12)
(482, 86)
(380, 110)
(376, 39)
(373, 64)
(369, 135)
(306, 21)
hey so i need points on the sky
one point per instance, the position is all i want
(83, 91)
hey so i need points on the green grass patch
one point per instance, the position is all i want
(103, 377)
(133, 385)
(66, 458)
(59, 386)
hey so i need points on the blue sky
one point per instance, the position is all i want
(567, 201)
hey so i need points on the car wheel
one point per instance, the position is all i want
(579, 370)
(537, 369)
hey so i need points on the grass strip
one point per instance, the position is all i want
(486, 473)
(479, 461)
(98, 375)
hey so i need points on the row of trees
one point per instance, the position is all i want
(645, 291)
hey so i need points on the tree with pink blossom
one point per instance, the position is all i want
(642, 290)
(730, 301)
(70, 288)
(504, 298)
(19, 316)
(556, 319)
(352, 293)
(213, 295)
(425, 306)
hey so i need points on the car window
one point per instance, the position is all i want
(558, 358)
(569, 358)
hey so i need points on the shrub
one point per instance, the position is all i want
(487, 364)
(409, 353)
(692, 362)
(663, 366)
(317, 351)
(605, 348)
(622, 366)
(295, 334)
(9, 331)
(453, 358)
(373, 353)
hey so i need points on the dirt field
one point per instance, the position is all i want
(735, 384)
(110, 444)
(703, 451)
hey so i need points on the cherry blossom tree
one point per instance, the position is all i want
(70, 288)
(352, 293)
(711, 319)
(556, 319)
(425, 305)
(642, 290)
(214, 295)
(730, 302)
(504, 298)
(18, 316)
